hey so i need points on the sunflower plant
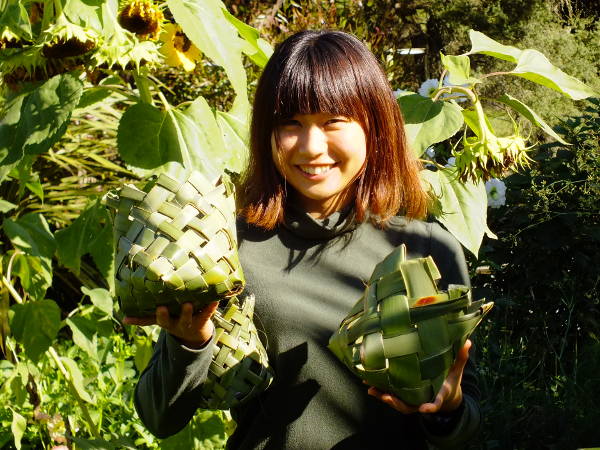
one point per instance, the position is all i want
(63, 64)
(452, 107)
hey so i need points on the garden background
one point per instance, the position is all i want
(538, 351)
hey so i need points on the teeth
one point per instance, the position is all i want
(315, 170)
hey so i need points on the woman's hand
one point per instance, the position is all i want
(193, 330)
(447, 399)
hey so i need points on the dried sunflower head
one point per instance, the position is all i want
(177, 49)
(65, 40)
(141, 17)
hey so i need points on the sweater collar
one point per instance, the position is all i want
(302, 224)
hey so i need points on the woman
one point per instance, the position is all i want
(329, 173)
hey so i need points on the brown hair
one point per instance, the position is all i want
(333, 72)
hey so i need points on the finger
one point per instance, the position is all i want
(185, 318)
(163, 319)
(141, 321)
(209, 310)
(428, 408)
(392, 401)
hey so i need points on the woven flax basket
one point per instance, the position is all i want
(239, 369)
(403, 335)
(176, 243)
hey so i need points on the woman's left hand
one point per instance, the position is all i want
(447, 399)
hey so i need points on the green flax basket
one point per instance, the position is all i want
(176, 242)
(239, 369)
(403, 335)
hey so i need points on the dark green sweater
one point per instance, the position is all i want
(306, 276)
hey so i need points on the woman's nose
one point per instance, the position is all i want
(314, 141)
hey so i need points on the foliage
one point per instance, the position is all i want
(539, 363)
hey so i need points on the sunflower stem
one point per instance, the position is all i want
(143, 86)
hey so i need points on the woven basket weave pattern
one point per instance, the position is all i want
(403, 334)
(175, 243)
(239, 369)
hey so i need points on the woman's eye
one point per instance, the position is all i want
(289, 123)
(336, 120)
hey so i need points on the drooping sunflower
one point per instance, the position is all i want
(141, 17)
(177, 48)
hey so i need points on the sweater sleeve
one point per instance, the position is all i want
(450, 259)
(168, 391)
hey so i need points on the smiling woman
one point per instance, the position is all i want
(329, 173)
(320, 155)
(332, 75)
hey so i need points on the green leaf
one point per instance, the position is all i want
(85, 13)
(235, 135)
(534, 66)
(84, 234)
(459, 69)
(14, 16)
(143, 351)
(35, 273)
(146, 137)
(93, 95)
(6, 206)
(480, 43)
(30, 233)
(35, 325)
(427, 122)
(205, 430)
(84, 334)
(206, 26)
(463, 206)
(77, 379)
(10, 147)
(46, 112)
(530, 115)
(259, 50)
(100, 298)
(18, 426)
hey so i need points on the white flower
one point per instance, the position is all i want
(458, 96)
(496, 192)
(451, 162)
(430, 152)
(429, 87)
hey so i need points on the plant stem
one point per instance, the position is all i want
(143, 87)
(12, 290)
(80, 401)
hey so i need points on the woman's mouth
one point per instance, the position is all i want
(315, 169)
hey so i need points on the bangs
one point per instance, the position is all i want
(307, 86)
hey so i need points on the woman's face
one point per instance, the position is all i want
(320, 155)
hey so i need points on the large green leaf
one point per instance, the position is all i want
(35, 273)
(192, 137)
(206, 430)
(10, 150)
(207, 27)
(143, 351)
(46, 112)
(84, 334)
(77, 379)
(89, 233)
(13, 14)
(30, 233)
(146, 137)
(530, 115)
(459, 69)
(17, 427)
(100, 298)
(534, 66)
(235, 133)
(480, 43)
(257, 49)
(35, 325)
(427, 122)
(463, 206)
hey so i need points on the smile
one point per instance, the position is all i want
(316, 170)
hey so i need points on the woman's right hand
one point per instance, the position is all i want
(193, 330)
